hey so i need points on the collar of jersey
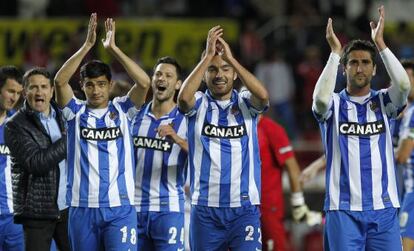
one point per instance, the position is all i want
(344, 94)
(148, 112)
(233, 99)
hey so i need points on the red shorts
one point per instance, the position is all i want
(273, 231)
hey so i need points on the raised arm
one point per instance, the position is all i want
(260, 96)
(186, 98)
(400, 83)
(142, 81)
(325, 85)
(63, 90)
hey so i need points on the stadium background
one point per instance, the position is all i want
(288, 36)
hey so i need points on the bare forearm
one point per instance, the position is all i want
(190, 86)
(251, 82)
(69, 67)
(293, 170)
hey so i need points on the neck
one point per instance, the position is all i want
(221, 98)
(3, 114)
(358, 92)
(161, 108)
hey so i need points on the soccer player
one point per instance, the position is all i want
(277, 154)
(100, 149)
(159, 132)
(223, 150)
(11, 235)
(361, 193)
(405, 157)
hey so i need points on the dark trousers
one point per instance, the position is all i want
(38, 234)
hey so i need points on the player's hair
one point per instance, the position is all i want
(408, 64)
(94, 69)
(172, 61)
(9, 72)
(36, 71)
(361, 45)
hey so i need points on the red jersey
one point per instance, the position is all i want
(275, 149)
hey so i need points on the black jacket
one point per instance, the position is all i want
(35, 165)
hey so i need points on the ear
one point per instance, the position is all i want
(234, 76)
(178, 85)
(24, 94)
(81, 85)
(374, 71)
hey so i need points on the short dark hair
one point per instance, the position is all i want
(358, 44)
(9, 72)
(172, 61)
(36, 71)
(94, 69)
(408, 63)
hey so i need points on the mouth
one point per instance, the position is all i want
(161, 88)
(219, 82)
(39, 101)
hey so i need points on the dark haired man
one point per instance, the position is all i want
(100, 151)
(159, 131)
(361, 192)
(36, 138)
(11, 235)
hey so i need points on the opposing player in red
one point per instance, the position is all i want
(277, 154)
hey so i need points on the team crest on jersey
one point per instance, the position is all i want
(373, 106)
(368, 129)
(107, 134)
(4, 150)
(235, 110)
(230, 132)
(153, 143)
(113, 115)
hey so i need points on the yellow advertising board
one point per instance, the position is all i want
(142, 39)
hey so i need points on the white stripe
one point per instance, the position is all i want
(7, 177)
(198, 149)
(376, 165)
(113, 191)
(236, 165)
(140, 161)
(93, 176)
(215, 168)
(354, 166)
(77, 165)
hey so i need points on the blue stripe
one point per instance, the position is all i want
(365, 157)
(121, 179)
(327, 139)
(205, 163)
(245, 165)
(344, 192)
(225, 162)
(181, 163)
(103, 159)
(84, 163)
(382, 142)
(71, 146)
(146, 180)
(191, 148)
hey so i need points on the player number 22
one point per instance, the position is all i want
(133, 238)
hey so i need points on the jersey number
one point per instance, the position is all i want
(173, 235)
(133, 238)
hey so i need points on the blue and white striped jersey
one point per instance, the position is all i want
(224, 157)
(407, 131)
(6, 193)
(160, 163)
(360, 170)
(101, 166)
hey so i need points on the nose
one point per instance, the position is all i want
(359, 68)
(219, 73)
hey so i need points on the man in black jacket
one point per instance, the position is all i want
(36, 138)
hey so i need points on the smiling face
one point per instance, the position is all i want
(219, 78)
(10, 94)
(165, 82)
(38, 93)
